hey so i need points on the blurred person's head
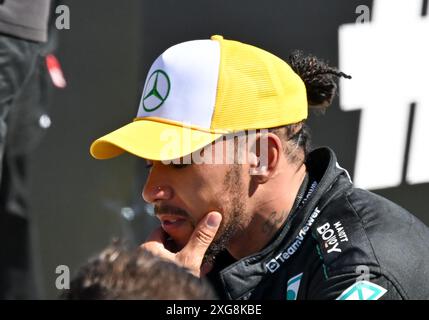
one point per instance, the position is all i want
(120, 273)
(194, 90)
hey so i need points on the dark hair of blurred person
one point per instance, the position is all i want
(120, 273)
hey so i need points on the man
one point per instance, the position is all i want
(269, 219)
(120, 273)
(23, 100)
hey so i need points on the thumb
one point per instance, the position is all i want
(203, 235)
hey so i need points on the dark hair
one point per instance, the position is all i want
(321, 84)
(119, 273)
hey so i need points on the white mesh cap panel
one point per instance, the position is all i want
(182, 83)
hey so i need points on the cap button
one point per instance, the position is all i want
(216, 37)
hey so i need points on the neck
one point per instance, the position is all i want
(269, 214)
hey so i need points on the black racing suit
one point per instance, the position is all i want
(339, 242)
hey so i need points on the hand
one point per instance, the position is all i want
(192, 254)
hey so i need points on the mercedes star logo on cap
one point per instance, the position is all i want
(156, 91)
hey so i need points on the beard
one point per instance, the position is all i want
(234, 213)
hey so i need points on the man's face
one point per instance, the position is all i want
(184, 194)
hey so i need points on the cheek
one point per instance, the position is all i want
(208, 183)
(201, 192)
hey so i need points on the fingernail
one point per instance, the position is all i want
(214, 220)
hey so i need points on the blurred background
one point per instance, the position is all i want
(77, 204)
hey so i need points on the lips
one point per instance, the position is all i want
(171, 222)
(178, 225)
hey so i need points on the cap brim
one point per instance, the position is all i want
(152, 140)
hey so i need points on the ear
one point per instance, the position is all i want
(264, 157)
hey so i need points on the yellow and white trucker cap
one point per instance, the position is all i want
(197, 91)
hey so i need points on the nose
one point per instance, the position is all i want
(156, 187)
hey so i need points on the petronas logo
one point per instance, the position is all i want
(156, 90)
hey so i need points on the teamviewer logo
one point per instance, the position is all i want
(273, 265)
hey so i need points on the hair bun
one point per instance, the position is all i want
(319, 78)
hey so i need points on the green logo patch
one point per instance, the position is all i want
(293, 287)
(363, 290)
